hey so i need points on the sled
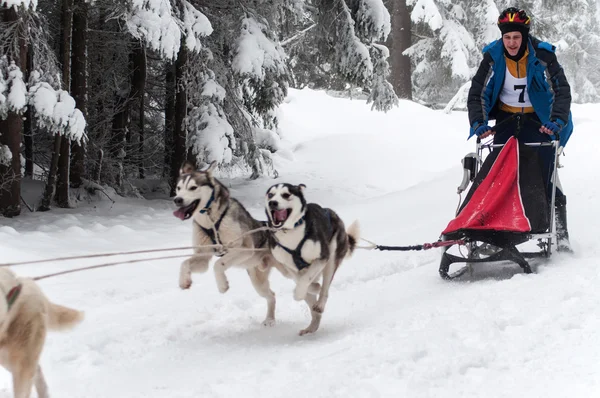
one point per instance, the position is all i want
(508, 204)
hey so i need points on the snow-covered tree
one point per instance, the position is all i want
(382, 93)
(450, 36)
(28, 85)
(340, 42)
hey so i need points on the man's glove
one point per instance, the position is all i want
(555, 126)
(482, 129)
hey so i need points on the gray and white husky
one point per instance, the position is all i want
(310, 241)
(221, 219)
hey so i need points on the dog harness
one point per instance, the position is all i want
(297, 254)
(12, 295)
(211, 231)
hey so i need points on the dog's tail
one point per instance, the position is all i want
(353, 233)
(62, 318)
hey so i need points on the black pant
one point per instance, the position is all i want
(526, 127)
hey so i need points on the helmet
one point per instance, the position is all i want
(514, 16)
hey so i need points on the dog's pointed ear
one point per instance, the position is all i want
(187, 167)
(301, 187)
(223, 192)
(211, 167)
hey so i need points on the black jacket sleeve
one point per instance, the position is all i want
(555, 76)
(476, 99)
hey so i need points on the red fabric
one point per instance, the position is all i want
(496, 204)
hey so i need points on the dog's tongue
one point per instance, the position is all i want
(180, 213)
(280, 215)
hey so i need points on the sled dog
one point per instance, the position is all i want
(310, 241)
(25, 316)
(220, 219)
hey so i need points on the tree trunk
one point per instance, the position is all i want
(27, 125)
(169, 116)
(117, 140)
(138, 84)
(51, 182)
(64, 160)
(179, 135)
(79, 85)
(11, 128)
(400, 40)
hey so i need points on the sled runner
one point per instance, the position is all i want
(509, 203)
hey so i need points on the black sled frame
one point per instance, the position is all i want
(481, 252)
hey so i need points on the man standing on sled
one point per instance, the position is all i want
(521, 84)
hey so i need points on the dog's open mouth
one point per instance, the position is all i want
(280, 216)
(185, 212)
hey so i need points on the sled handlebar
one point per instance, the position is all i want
(532, 144)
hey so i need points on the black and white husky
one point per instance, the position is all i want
(310, 241)
(220, 219)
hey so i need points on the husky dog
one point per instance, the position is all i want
(310, 241)
(220, 219)
(25, 316)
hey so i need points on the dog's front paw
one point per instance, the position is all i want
(221, 278)
(269, 322)
(185, 282)
(308, 330)
(223, 286)
(185, 275)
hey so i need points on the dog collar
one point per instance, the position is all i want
(207, 205)
(12, 295)
(300, 221)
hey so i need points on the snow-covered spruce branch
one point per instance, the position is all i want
(55, 109)
(161, 27)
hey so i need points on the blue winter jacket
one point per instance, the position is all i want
(547, 86)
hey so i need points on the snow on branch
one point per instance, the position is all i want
(210, 135)
(195, 25)
(373, 20)
(153, 22)
(5, 155)
(260, 64)
(426, 11)
(13, 91)
(256, 54)
(353, 55)
(55, 110)
(156, 23)
(382, 93)
(457, 47)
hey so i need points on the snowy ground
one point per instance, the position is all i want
(392, 327)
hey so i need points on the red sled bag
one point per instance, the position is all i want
(507, 201)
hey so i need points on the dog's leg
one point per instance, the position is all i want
(315, 321)
(23, 381)
(25, 354)
(327, 279)
(196, 263)
(24, 371)
(260, 281)
(306, 277)
(40, 384)
(230, 259)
